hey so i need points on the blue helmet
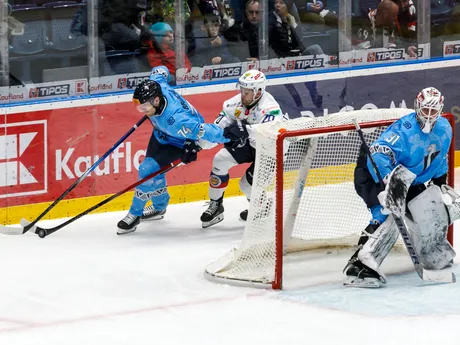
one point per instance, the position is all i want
(163, 71)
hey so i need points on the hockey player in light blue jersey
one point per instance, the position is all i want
(178, 130)
(419, 142)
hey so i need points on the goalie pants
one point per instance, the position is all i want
(155, 189)
(223, 161)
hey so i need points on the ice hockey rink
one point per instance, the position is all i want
(85, 285)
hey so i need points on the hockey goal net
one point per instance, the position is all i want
(303, 195)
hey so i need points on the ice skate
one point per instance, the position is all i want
(244, 215)
(150, 213)
(214, 214)
(359, 275)
(128, 224)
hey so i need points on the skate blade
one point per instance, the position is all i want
(124, 232)
(371, 283)
(159, 217)
(216, 220)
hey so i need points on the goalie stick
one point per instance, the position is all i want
(42, 232)
(428, 275)
(6, 230)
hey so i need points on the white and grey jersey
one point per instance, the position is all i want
(267, 109)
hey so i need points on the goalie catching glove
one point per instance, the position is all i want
(190, 151)
(237, 134)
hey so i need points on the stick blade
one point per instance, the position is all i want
(27, 225)
(11, 230)
(439, 276)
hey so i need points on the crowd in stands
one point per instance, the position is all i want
(226, 31)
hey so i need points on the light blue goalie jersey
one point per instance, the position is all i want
(180, 120)
(404, 143)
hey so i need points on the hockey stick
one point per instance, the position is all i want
(42, 232)
(6, 230)
(429, 275)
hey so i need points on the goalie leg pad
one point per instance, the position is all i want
(378, 245)
(429, 229)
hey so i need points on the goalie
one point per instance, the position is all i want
(412, 155)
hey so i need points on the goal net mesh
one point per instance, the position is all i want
(320, 207)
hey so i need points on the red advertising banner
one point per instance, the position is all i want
(43, 152)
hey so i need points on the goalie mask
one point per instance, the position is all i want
(144, 97)
(253, 80)
(428, 106)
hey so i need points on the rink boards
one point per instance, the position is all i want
(47, 145)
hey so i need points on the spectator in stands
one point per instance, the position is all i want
(285, 35)
(221, 8)
(164, 11)
(213, 50)
(250, 28)
(164, 55)
(406, 26)
(316, 14)
(285, 40)
(121, 25)
(394, 20)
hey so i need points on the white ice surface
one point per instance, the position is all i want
(85, 285)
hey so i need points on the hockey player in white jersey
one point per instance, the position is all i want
(417, 144)
(239, 118)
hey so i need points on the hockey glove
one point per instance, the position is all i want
(190, 151)
(237, 134)
(448, 195)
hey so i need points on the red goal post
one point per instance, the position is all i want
(303, 196)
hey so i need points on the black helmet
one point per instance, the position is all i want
(147, 90)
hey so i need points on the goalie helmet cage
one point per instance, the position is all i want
(303, 195)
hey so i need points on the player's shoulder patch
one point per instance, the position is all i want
(407, 124)
(232, 102)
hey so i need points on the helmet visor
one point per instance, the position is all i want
(143, 108)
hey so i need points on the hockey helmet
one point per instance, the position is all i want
(428, 106)
(253, 80)
(145, 93)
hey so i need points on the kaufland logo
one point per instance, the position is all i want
(81, 87)
(23, 162)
